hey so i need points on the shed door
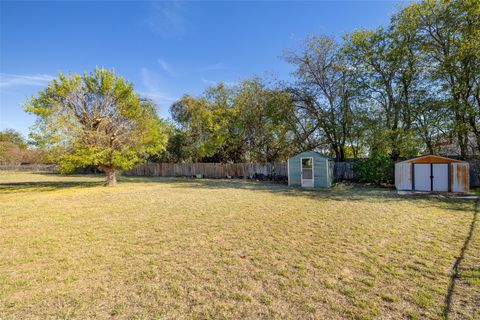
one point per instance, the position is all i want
(307, 172)
(440, 177)
(422, 174)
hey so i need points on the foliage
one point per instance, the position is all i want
(376, 169)
(247, 122)
(14, 149)
(396, 91)
(264, 121)
(207, 124)
(448, 36)
(96, 119)
(12, 146)
(387, 77)
(324, 90)
(14, 137)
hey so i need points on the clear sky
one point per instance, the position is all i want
(166, 49)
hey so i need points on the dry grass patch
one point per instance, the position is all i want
(206, 249)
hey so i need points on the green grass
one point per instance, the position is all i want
(230, 249)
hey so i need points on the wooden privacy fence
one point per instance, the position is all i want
(474, 173)
(344, 171)
(37, 167)
(210, 170)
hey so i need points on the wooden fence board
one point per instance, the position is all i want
(209, 170)
(40, 167)
(343, 171)
(474, 173)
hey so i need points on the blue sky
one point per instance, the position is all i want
(166, 49)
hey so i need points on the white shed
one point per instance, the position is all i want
(432, 174)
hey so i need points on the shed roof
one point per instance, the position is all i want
(430, 158)
(310, 152)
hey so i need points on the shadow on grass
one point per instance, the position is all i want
(456, 267)
(42, 186)
(340, 192)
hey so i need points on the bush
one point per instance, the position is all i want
(376, 169)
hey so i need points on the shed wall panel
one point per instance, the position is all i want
(403, 176)
(460, 177)
(320, 172)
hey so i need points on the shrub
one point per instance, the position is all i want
(376, 169)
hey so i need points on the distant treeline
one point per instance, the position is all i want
(398, 91)
(410, 87)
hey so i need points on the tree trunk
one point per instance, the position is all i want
(395, 154)
(342, 153)
(476, 133)
(463, 144)
(111, 178)
(354, 151)
(430, 147)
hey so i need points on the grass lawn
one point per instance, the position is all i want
(218, 249)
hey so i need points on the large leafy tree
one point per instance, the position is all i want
(206, 125)
(96, 119)
(247, 122)
(263, 121)
(448, 33)
(324, 90)
(387, 75)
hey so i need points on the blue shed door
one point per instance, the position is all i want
(307, 172)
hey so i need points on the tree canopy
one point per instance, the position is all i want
(394, 91)
(12, 146)
(388, 93)
(96, 119)
(247, 122)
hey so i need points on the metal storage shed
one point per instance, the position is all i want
(310, 169)
(432, 174)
